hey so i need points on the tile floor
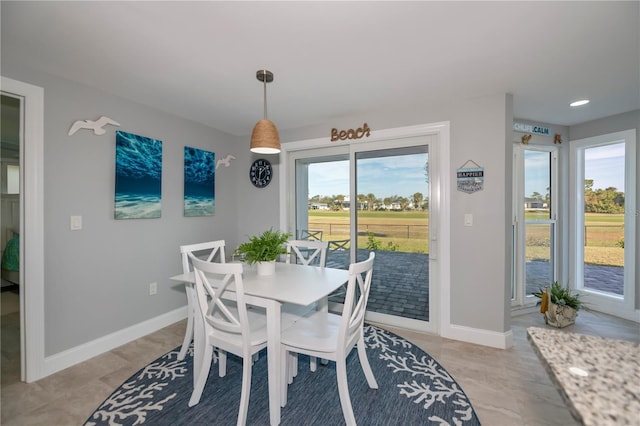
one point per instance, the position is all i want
(506, 387)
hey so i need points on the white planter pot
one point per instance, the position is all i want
(560, 316)
(266, 268)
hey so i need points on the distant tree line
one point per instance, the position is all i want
(608, 200)
(370, 202)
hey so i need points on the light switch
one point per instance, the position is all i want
(468, 219)
(75, 223)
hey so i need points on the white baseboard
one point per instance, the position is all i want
(70, 357)
(478, 336)
(616, 308)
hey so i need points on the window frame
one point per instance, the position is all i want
(623, 307)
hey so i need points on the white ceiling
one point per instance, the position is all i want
(331, 59)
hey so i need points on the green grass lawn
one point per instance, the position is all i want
(602, 234)
(408, 231)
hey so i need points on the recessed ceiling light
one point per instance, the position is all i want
(579, 103)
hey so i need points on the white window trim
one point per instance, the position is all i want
(617, 306)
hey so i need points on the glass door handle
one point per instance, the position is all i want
(433, 248)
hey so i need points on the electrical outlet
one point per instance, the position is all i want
(75, 223)
(153, 289)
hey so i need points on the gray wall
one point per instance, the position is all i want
(615, 123)
(480, 255)
(258, 209)
(97, 279)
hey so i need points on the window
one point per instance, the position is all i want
(535, 221)
(603, 219)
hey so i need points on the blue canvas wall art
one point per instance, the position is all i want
(138, 177)
(199, 182)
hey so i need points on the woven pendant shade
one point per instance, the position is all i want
(265, 138)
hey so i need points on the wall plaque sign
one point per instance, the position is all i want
(358, 133)
(470, 177)
(530, 128)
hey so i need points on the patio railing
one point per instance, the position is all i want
(378, 229)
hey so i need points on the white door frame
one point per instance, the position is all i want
(440, 299)
(31, 227)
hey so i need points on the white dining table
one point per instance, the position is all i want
(290, 283)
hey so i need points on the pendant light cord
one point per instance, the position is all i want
(265, 97)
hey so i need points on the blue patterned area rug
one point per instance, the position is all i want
(414, 389)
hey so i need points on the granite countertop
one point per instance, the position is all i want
(598, 378)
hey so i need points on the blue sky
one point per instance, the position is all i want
(383, 176)
(329, 178)
(404, 175)
(605, 165)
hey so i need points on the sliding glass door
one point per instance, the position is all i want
(392, 219)
(322, 201)
(371, 197)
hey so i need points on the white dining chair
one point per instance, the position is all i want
(330, 336)
(235, 330)
(308, 253)
(310, 234)
(208, 251)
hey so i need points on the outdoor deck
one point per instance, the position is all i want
(400, 281)
(399, 284)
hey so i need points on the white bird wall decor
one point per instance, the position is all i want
(97, 126)
(226, 161)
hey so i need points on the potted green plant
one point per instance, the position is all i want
(557, 304)
(264, 249)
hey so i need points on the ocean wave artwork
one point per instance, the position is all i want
(132, 206)
(199, 182)
(138, 193)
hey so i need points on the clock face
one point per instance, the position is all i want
(260, 173)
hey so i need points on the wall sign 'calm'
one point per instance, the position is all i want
(358, 133)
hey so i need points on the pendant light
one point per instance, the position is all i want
(265, 138)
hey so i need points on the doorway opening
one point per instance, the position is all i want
(10, 215)
(31, 255)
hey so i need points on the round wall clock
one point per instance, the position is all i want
(260, 173)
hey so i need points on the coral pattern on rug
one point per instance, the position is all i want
(433, 384)
(138, 396)
(417, 379)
